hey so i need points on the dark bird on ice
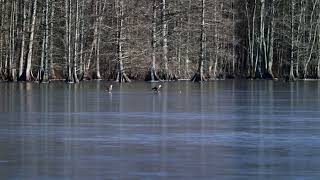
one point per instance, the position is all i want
(109, 89)
(156, 89)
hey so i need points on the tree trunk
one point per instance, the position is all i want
(179, 54)
(178, 22)
(218, 45)
(154, 40)
(318, 65)
(269, 74)
(233, 39)
(76, 45)
(45, 73)
(68, 15)
(187, 60)
(299, 37)
(21, 62)
(312, 37)
(152, 75)
(262, 52)
(81, 63)
(52, 74)
(97, 32)
(1, 36)
(121, 75)
(291, 75)
(251, 39)
(214, 63)
(11, 43)
(42, 72)
(88, 63)
(11, 69)
(165, 41)
(66, 39)
(26, 76)
(199, 75)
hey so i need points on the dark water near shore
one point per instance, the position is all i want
(216, 130)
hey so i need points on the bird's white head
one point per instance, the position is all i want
(159, 86)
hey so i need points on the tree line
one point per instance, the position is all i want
(154, 40)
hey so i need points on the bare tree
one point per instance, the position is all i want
(165, 40)
(52, 74)
(107, 39)
(27, 74)
(121, 75)
(76, 45)
(269, 74)
(22, 54)
(152, 75)
(199, 75)
(291, 75)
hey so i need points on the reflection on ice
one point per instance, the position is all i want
(214, 130)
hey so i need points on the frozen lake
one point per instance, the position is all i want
(215, 130)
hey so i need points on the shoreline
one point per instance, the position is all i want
(233, 79)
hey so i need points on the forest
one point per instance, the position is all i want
(124, 40)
